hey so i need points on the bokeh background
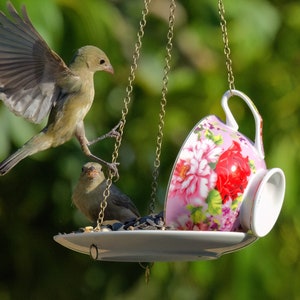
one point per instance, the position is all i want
(35, 197)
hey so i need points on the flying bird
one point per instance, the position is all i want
(88, 195)
(35, 83)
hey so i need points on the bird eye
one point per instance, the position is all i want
(102, 61)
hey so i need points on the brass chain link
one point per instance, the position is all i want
(163, 104)
(127, 100)
(227, 51)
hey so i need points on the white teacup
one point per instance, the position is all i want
(220, 181)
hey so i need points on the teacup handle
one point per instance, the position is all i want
(231, 122)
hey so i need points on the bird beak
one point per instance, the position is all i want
(92, 172)
(109, 69)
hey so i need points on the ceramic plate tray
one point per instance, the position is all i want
(155, 245)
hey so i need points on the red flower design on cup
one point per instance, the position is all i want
(233, 171)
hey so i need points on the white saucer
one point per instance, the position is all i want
(155, 245)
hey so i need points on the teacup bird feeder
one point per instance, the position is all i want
(221, 197)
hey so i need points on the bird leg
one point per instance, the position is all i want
(84, 143)
(113, 133)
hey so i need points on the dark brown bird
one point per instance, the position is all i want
(88, 194)
(35, 82)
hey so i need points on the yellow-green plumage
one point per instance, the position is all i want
(35, 81)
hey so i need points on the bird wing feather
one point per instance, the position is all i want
(30, 72)
(120, 199)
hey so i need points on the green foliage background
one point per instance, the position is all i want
(35, 198)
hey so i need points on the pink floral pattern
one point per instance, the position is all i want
(208, 182)
(193, 176)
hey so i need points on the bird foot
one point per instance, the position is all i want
(114, 169)
(113, 133)
(113, 166)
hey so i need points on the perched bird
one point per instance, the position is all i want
(88, 194)
(35, 82)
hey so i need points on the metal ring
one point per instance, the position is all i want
(94, 252)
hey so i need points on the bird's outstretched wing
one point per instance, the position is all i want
(29, 69)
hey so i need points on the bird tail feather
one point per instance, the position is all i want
(14, 159)
(34, 145)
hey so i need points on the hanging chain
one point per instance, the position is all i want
(223, 24)
(127, 100)
(163, 104)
